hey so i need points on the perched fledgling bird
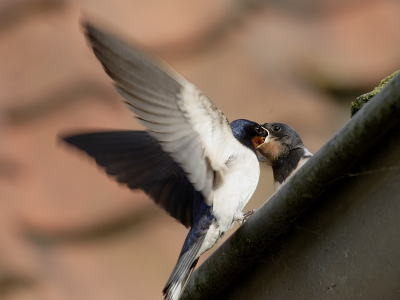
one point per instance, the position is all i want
(192, 162)
(284, 151)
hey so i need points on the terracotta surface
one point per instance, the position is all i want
(69, 232)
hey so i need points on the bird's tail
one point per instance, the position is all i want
(174, 289)
(184, 267)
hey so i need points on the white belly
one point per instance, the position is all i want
(237, 186)
(234, 189)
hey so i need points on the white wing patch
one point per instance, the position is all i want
(211, 124)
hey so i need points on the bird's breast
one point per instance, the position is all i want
(236, 186)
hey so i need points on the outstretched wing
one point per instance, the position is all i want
(188, 126)
(136, 158)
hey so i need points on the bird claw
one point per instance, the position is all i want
(247, 215)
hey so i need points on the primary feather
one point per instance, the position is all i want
(136, 159)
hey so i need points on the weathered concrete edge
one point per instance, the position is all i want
(280, 211)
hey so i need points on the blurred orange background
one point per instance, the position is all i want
(69, 232)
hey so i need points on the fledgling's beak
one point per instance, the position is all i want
(260, 139)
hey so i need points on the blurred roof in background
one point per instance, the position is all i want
(69, 232)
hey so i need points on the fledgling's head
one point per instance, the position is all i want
(249, 133)
(281, 139)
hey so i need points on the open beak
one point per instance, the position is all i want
(262, 138)
(262, 141)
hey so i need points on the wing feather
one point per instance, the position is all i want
(136, 159)
(189, 127)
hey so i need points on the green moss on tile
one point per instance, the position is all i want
(361, 100)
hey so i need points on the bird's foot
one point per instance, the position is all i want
(248, 214)
(243, 217)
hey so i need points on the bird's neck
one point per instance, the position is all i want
(285, 166)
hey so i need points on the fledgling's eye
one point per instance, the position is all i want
(276, 128)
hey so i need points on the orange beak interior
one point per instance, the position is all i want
(257, 141)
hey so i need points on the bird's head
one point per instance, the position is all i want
(249, 133)
(281, 139)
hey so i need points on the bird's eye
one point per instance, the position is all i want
(276, 128)
(259, 130)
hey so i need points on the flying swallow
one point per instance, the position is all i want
(192, 162)
(284, 150)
